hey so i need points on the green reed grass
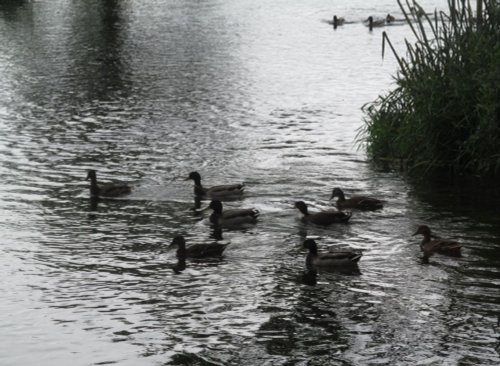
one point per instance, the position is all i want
(444, 112)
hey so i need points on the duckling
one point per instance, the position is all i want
(196, 250)
(216, 192)
(441, 246)
(106, 190)
(375, 23)
(332, 260)
(323, 218)
(231, 218)
(357, 202)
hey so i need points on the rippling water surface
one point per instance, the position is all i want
(263, 92)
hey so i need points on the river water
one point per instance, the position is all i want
(258, 91)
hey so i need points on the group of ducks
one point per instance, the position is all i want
(235, 218)
(370, 21)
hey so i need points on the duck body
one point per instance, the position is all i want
(215, 192)
(431, 246)
(356, 202)
(375, 23)
(196, 250)
(331, 260)
(233, 217)
(323, 218)
(108, 189)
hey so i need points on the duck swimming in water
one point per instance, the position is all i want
(232, 217)
(375, 23)
(432, 246)
(196, 250)
(323, 218)
(108, 189)
(356, 202)
(331, 260)
(216, 192)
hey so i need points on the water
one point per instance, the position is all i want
(256, 91)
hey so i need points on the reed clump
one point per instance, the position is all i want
(445, 110)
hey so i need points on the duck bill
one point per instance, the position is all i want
(416, 233)
(331, 197)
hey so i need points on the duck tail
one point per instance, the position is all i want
(347, 216)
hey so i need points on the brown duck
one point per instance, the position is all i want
(216, 192)
(196, 250)
(108, 189)
(331, 260)
(441, 246)
(232, 217)
(323, 218)
(356, 202)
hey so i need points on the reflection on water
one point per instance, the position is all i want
(260, 92)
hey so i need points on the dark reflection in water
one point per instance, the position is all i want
(147, 91)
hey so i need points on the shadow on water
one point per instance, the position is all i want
(102, 66)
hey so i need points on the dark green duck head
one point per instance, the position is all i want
(302, 207)
(216, 206)
(337, 192)
(311, 245)
(195, 176)
(423, 230)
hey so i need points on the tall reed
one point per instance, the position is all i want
(445, 110)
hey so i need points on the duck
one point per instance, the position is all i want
(356, 202)
(331, 260)
(375, 23)
(432, 246)
(196, 250)
(217, 192)
(390, 19)
(337, 21)
(108, 189)
(323, 218)
(233, 217)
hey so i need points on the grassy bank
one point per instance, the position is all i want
(445, 110)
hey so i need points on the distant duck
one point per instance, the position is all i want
(375, 23)
(108, 189)
(216, 192)
(441, 246)
(232, 217)
(356, 202)
(323, 218)
(331, 260)
(337, 22)
(390, 19)
(196, 250)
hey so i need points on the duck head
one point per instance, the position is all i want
(194, 176)
(301, 206)
(178, 241)
(91, 175)
(337, 192)
(216, 206)
(423, 230)
(311, 245)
